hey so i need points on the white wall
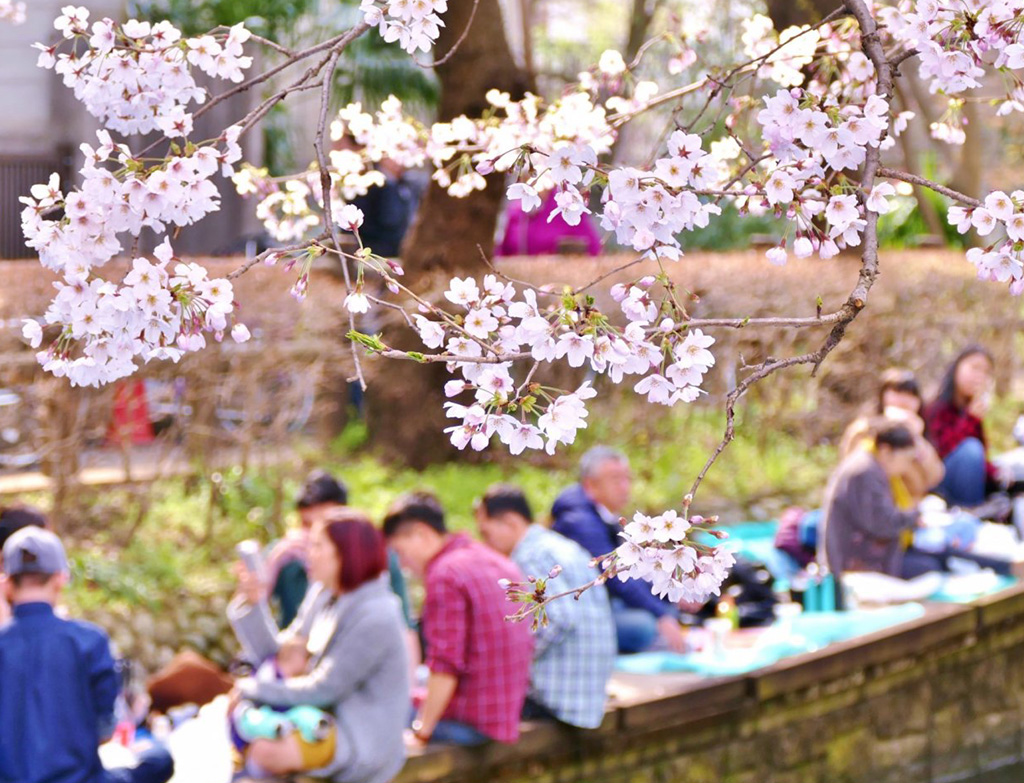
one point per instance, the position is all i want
(37, 113)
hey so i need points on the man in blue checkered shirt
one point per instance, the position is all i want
(575, 652)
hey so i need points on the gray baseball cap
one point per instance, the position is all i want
(33, 550)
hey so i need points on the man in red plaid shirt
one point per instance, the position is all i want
(479, 662)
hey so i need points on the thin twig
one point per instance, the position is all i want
(529, 377)
(302, 83)
(279, 48)
(606, 275)
(438, 358)
(457, 44)
(249, 264)
(325, 186)
(342, 40)
(522, 283)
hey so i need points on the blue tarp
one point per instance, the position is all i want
(809, 632)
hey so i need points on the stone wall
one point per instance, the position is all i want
(937, 700)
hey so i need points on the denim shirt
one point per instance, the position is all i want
(58, 685)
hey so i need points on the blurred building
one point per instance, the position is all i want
(42, 126)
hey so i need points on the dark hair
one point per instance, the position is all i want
(500, 498)
(947, 389)
(359, 545)
(15, 518)
(322, 487)
(31, 579)
(895, 436)
(415, 507)
(902, 381)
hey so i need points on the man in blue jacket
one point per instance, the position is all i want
(588, 513)
(58, 681)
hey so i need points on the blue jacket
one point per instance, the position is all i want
(576, 517)
(58, 685)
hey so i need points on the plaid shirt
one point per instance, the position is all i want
(575, 651)
(948, 426)
(467, 636)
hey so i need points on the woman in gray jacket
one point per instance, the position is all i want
(357, 668)
(862, 527)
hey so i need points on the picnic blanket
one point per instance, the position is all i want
(808, 632)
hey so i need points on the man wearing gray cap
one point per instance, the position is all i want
(58, 681)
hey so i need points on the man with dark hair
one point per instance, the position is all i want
(321, 493)
(574, 652)
(588, 513)
(862, 527)
(286, 563)
(58, 681)
(479, 662)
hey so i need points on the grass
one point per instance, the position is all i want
(185, 542)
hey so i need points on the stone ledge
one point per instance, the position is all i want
(662, 704)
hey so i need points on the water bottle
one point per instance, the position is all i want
(827, 591)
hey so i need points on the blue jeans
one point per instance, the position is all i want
(964, 482)
(636, 629)
(453, 732)
(155, 766)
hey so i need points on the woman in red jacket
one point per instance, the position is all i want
(956, 430)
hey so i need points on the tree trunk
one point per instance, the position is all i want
(911, 163)
(640, 19)
(969, 176)
(449, 233)
(405, 402)
(639, 24)
(786, 13)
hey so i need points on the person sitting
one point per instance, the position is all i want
(479, 663)
(588, 513)
(862, 528)
(900, 401)
(58, 679)
(542, 233)
(574, 651)
(249, 722)
(955, 426)
(13, 519)
(357, 668)
(286, 564)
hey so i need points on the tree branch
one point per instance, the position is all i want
(913, 179)
(325, 187)
(869, 255)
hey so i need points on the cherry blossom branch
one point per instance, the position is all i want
(343, 40)
(913, 179)
(326, 186)
(671, 95)
(869, 257)
(872, 46)
(300, 84)
(742, 323)
(280, 251)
